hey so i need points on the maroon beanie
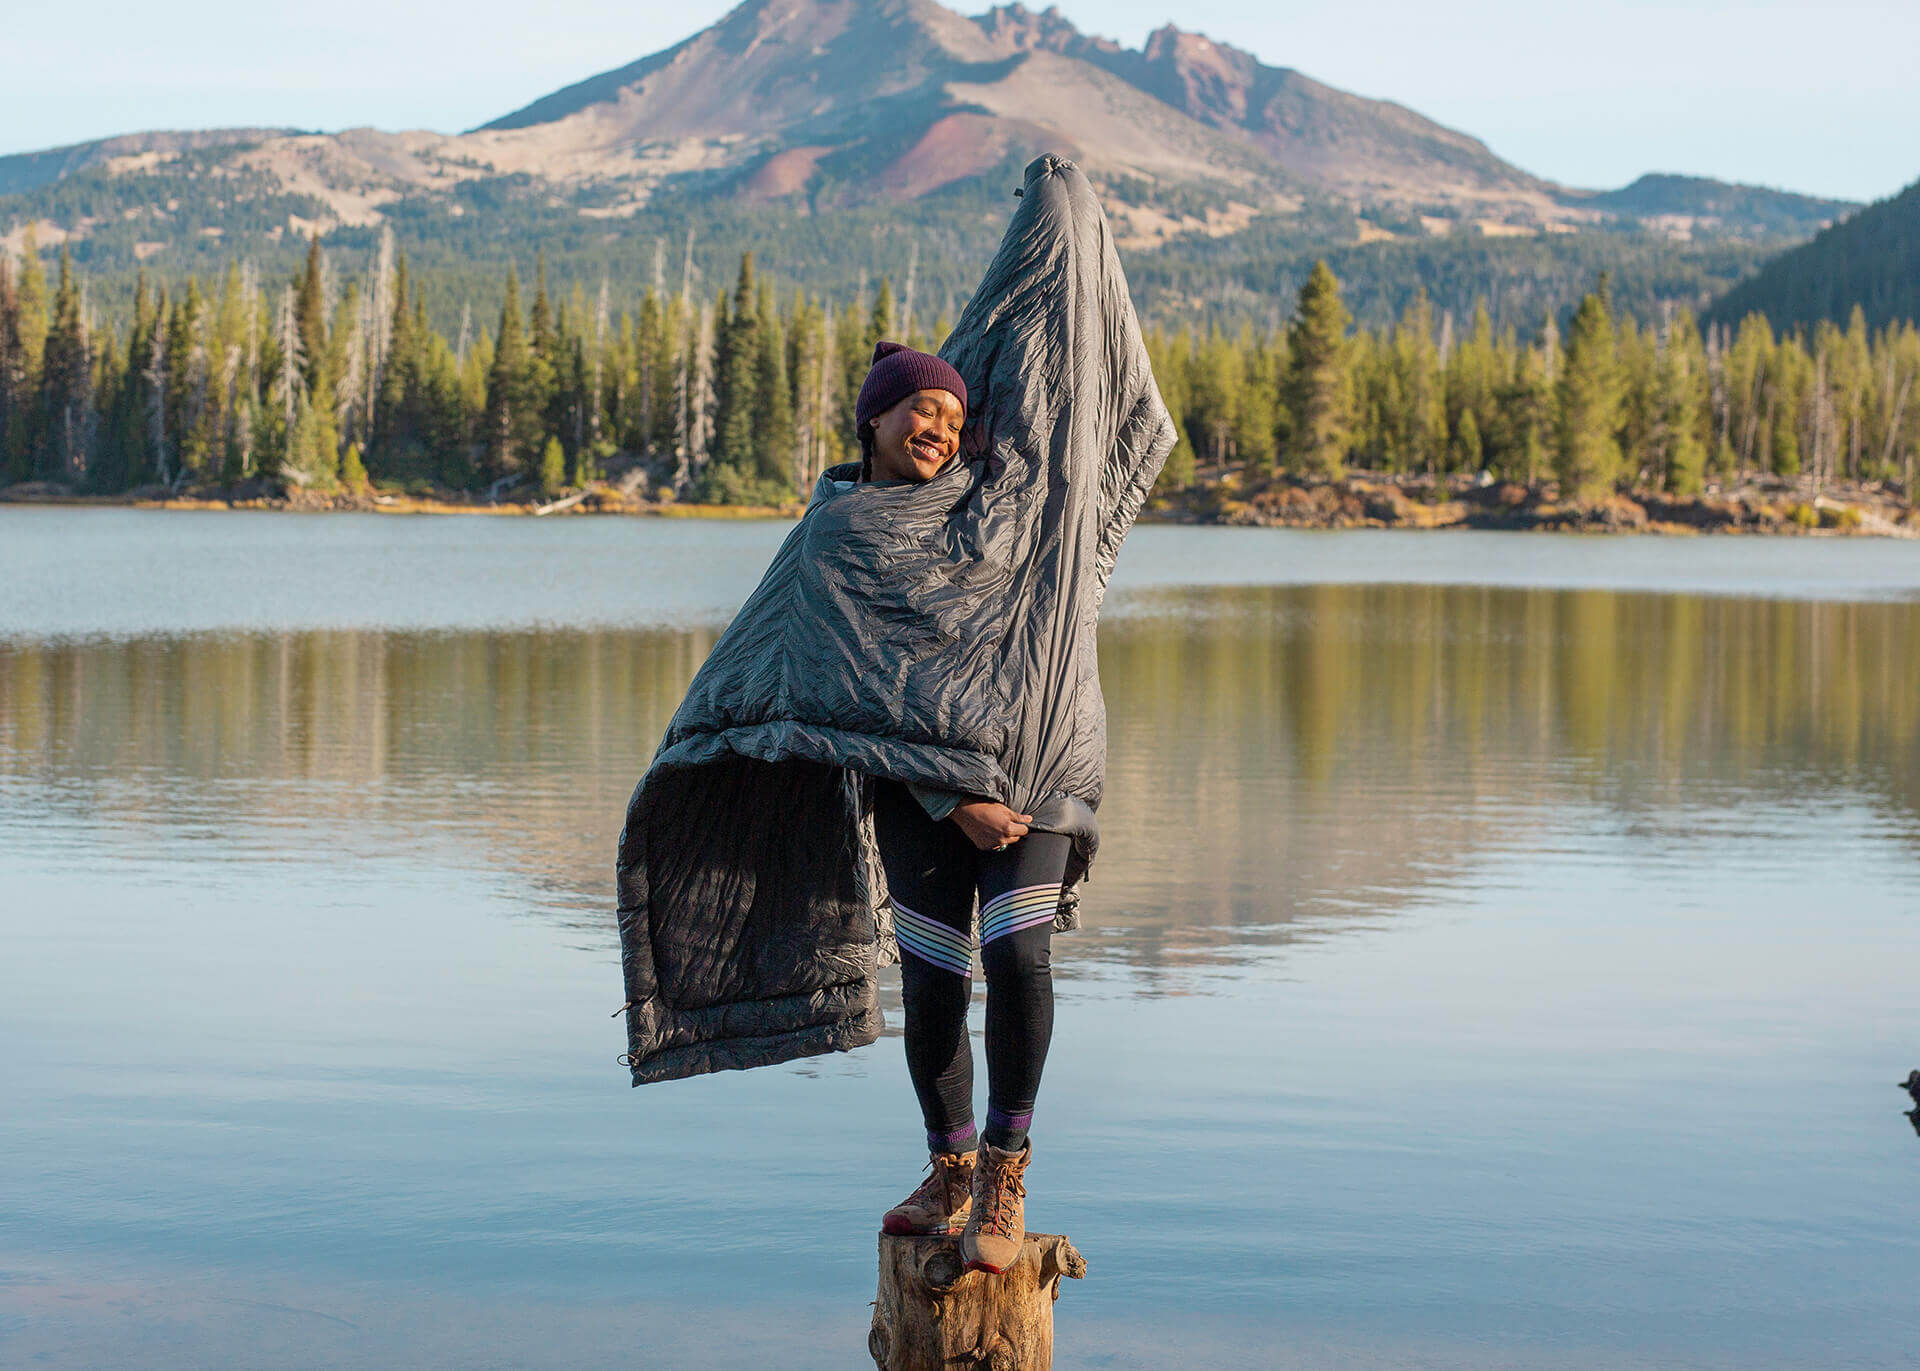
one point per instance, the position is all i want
(898, 371)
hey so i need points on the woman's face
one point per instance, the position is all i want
(915, 438)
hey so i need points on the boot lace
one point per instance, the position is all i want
(1005, 1189)
(936, 1191)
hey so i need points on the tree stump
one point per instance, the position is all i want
(933, 1314)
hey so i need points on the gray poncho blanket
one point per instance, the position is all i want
(938, 633)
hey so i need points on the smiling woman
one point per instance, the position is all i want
(908, 414)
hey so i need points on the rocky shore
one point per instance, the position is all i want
(1234, 498)
(1765, 505)
(256, 495)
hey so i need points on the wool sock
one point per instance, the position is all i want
(963, 1139)
(1008, 1132)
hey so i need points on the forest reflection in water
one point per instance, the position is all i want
(1281, 758)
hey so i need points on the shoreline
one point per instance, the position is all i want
(1225, 497)
(1757, 506)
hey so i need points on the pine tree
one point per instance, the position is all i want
(26, 345)
(1588, 452)
(310, 314)
(1683, 415)
(545, 358)
(186, 384)
(1473, 375)
(1169, 359)
(353, 472)
(1318, 389)
(515, 421)
(1216, 397)
(13, 391)
(640, 415)
(1636, 354)
(735, 369)
(65, 429)
(773, 400)
(880, 321)
(228, 383)
(1468, 450)
(311, 447)
(1419, 439)
(553, 468)
(123, 458)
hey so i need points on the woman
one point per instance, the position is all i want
(906, 712)
(942, 850)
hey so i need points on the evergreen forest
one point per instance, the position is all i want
(336, 378)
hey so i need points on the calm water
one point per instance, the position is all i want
(1502, 953)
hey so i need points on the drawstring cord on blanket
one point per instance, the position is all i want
(626, 1058)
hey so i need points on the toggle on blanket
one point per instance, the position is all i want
(940, 633)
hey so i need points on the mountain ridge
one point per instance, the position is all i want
(809, 128)
(1870, 260)
(823, 83)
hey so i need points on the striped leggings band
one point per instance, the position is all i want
(936, 878)
(950, 949)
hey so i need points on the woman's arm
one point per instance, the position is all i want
(988, 824)
(938, 803)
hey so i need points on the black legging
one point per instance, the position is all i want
(934, 872)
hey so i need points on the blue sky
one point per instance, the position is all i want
(1813, 98)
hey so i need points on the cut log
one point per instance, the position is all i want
(932, 1314)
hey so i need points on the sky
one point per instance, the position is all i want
(1815, 98)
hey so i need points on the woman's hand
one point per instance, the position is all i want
(990, 824)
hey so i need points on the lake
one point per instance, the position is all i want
(1501, 953)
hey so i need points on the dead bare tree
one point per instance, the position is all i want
(700, 432)
(906, 306)
(289, 385)
(156, 379)
(376, 312)
(601, 323)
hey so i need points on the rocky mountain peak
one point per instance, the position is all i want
(1015, 28)
(824, 105)
(1211, 81)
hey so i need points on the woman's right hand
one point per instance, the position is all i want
(990, 824)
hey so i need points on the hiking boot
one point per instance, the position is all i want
(998, 1224)
(940, 1204)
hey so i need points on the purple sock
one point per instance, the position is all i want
(1008, 1132)
(961, 1139)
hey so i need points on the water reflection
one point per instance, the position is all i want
(1283, 759)
(308, 1057)
(1335, 750)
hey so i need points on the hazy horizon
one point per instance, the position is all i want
(1627, 106)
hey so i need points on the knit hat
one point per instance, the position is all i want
(898, 371)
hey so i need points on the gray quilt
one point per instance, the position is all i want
(939, 633)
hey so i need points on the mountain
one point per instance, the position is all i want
(830, 133)
(1368, 148)
(845, 101)
(30, 170)
(1871, 259)
(1685, 204)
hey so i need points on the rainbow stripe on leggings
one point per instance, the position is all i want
(932, 941)
(1024, 907)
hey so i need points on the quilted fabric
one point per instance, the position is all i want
(941, 633)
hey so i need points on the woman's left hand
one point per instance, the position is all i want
(989, 824)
